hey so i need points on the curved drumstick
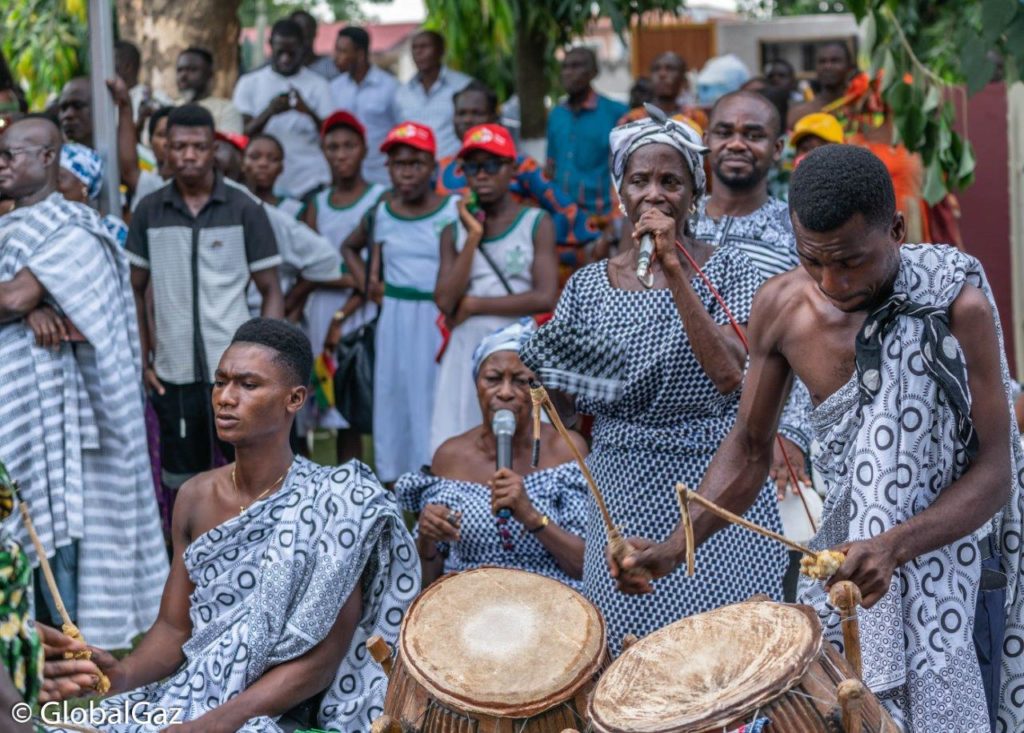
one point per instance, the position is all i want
(845, 596)
(616, 542)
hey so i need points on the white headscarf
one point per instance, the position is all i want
(627, 139)
(507, 338)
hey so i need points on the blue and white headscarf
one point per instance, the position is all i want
(507, 338)
(627, 139)
(86, 165)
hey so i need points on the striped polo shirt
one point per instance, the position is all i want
(199, 268)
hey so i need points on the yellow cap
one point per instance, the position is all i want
(819, 124)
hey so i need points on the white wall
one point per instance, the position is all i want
(744, 37)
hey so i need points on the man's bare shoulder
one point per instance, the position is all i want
(196, 496)
(781, 293)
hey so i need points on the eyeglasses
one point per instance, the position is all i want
(7, 156)
(490, 167)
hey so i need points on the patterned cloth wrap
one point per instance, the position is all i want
(21, 651)
(892, 439)
(72, 431)
(269, 584)
(576, 360)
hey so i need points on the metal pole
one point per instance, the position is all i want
(261, 29)
(104, 120)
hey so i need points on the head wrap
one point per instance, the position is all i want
(626, 139)
(508, 338)
(85, 164)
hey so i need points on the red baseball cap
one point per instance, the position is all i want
(493, 139)
(341, 118)
(239, 141)
(412, 134)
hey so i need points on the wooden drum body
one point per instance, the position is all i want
(715, 671)
(493, 649)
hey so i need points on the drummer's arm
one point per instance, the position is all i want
(282, 687)
(740, 465)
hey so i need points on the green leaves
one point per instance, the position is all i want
(995, 17)
(44, 43)
(977, 67)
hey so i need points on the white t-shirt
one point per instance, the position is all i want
(304, 164)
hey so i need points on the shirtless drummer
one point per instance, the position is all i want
(913, 411)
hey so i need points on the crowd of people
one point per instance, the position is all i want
(332, 249)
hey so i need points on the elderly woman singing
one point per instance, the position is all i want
(526, 517)
(681, 387)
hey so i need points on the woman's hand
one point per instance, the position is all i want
(664, 229)
(474, 228)
(465, 311)
(434, 524)
(509, 492)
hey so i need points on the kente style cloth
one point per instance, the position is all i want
(85, 164)
(269, 585)
(893, 438)
(559, 492)
(72, 431)
(627, 139)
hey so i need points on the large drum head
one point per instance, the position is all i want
(704, 671)
(501, 642)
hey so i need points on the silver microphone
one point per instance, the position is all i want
(503, 424)
(643, 262)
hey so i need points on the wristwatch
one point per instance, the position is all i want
(545, 520)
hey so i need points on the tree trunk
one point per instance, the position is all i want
(164, 28)
(531, 81)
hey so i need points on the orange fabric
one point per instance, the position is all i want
(693, 116)
(907, 173)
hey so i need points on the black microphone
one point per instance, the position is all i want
(503, 425)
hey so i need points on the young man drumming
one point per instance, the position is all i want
(282, 569)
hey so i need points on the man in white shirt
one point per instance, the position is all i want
(288, 101)
(427, 97)
(193, 74)
(368, 92)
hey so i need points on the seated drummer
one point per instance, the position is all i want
(459, 497)
(282, 568)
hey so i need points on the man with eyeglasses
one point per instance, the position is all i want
(745, 140)
(72, 431)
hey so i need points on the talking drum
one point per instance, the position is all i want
(494, 649)
(718, 670)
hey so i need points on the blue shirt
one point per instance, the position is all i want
(372, 102)
(578, 146)
(434, 108)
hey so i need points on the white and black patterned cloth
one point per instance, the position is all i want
(766, 237)
(559, 492)
(576, 360)
(888, 460)
(72, 430)
(663, 429)
(268, 588)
